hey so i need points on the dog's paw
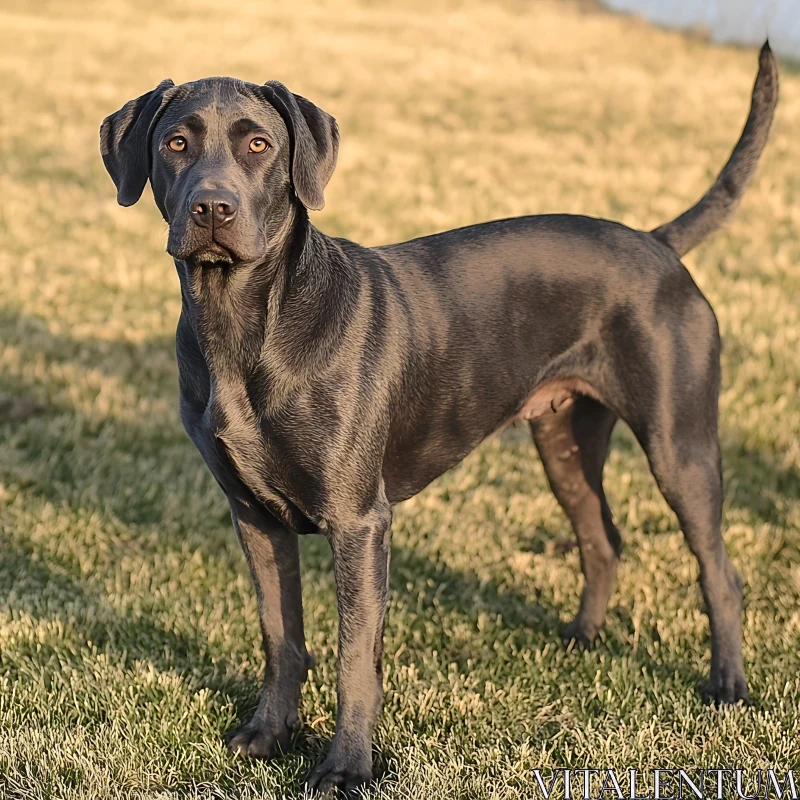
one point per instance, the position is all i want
(579, 633)
(335, 775)
(258, 739)
(726, 686)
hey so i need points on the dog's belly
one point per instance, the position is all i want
(424, 455)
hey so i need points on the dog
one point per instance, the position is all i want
(324, 382)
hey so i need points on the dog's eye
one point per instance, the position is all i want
(177, 144)
(258, 145)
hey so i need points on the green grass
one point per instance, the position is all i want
(129, 639)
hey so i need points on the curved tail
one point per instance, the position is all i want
(720, 201)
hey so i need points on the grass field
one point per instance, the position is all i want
(129, 638)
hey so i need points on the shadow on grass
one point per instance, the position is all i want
(43, 588)
(127, 361)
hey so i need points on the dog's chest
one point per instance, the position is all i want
(235, 435)
(246, 449)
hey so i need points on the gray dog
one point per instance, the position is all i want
(323, 382)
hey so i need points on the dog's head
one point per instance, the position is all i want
(226, 160)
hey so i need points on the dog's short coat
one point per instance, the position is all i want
(323, 382)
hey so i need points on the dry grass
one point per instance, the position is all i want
(128, 628)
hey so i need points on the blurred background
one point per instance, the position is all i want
(746, 22)
(129, 638)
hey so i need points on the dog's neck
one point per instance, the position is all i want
(271, 312)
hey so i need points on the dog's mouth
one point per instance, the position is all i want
(208, 254)
(212, 255)
(204, 247)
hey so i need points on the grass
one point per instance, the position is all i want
(129, 639)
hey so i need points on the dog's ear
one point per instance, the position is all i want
(125, 143)
(314, 138)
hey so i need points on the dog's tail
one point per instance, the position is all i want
(719, 202)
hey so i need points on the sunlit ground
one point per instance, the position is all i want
(129, 639)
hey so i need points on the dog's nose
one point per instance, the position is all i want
(215, 207)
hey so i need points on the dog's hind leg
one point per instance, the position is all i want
(670, 400)
(685, 458)
(573, 444)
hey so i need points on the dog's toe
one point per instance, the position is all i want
(329, 777)
(256, 739)
(579, 633)
(726, 687)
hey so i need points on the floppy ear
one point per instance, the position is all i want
(314, 138)
(125, 143)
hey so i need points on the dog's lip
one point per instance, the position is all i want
(213, 253)
(208, 253)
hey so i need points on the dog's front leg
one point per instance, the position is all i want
(273, 557)
(361, 566)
